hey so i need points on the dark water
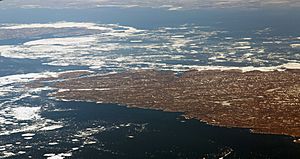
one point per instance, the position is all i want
(156, 134)
(11, 66)
(284, 21)
(167, 136)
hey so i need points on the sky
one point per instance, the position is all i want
(169, 4)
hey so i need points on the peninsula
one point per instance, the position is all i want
(265, 102)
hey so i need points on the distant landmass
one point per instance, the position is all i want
(169, 4)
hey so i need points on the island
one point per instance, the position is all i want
(264, 102)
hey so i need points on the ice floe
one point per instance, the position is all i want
(26, 113)
(63, 41)
(28, 135)
(58, 156)
(8, 154)
(21, 152)
(51, 127)
(174, 8)
(53, 143)
(243, 47)
(243, 69)
(56, 25)
(75, 148)
(130, 136)
(290, 66)
(49, 154)
(295, 45)
(24, 119)
(19, 78)
(28, 138)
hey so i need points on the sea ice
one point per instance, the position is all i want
(52, 127)
(26, 113)
(28, 135)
